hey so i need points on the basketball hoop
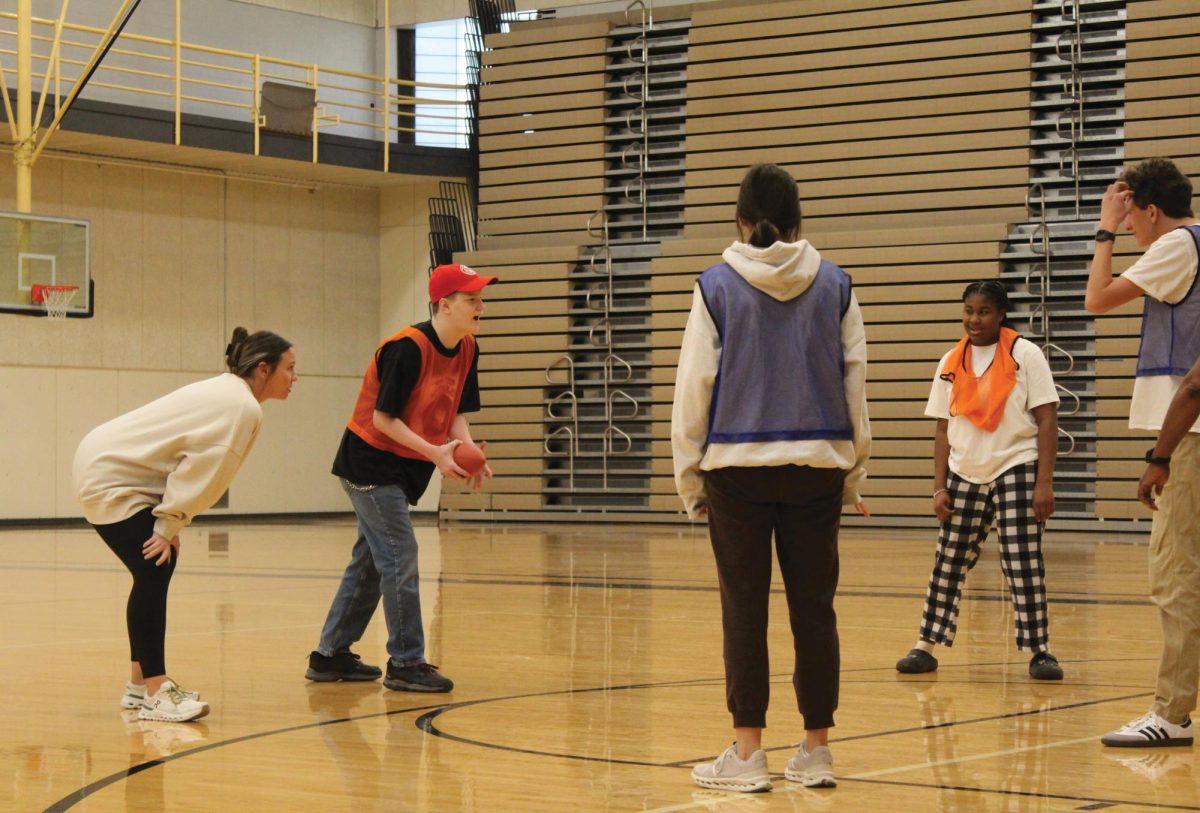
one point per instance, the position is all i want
(56, 298)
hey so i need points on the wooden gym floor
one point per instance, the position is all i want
(589, 677)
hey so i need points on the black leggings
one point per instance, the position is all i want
(146, 612)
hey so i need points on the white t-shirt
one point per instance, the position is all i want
(978, 456)
(1166, 272)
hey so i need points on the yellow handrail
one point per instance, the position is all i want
(347, 98)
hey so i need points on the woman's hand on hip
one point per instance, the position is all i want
(158, 545)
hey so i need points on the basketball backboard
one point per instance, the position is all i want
(43, 250)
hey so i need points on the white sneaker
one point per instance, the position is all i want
(1149, 731)
(172, 705)
(135, 695)
(728, 772)
(813, 770)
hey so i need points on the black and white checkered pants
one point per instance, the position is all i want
(1008, 503)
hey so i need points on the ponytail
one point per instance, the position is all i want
(769, 201)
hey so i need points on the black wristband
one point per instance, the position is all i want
(1105, 236)
(1157, 461)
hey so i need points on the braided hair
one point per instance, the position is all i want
(994, 291)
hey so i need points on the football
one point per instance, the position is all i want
(469, 457)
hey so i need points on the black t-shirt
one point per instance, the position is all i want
(399, 367)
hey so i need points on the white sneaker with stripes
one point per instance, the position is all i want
(1149, 731)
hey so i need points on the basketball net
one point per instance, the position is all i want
(56, 299)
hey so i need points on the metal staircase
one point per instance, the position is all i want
(1077, 143)
(597, 423)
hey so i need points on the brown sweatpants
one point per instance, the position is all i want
(801, 507)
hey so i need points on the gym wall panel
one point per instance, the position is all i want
(178, 260)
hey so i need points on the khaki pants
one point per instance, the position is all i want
(1175, 583)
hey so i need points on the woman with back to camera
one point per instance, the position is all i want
(770, 436)
(144, 475)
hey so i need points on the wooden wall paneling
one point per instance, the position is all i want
(928, 95)
(554, 120)
(721, 15)
(518, 105)
(543, 52)
(559, 32)
(557, 86)
(500, 193)
(902, 151)
(546, 68)
(776, 49)
(862, 63)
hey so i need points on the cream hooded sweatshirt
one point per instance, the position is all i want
(176, 455)
(784, 271)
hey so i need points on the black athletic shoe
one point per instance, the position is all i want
(917, 662)
(1044, 666)
(342, 666)
(422, 677)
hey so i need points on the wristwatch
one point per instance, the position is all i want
(1104, 236)
(1157, 461)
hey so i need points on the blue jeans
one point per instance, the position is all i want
(383, 563)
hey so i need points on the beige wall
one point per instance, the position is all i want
(179, 260)
(361, 12)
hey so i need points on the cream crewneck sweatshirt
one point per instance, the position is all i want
(176, 455)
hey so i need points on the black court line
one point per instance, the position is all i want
(425, 724)
(895, 593)
(73, 798)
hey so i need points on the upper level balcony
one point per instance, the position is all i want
(168, 101)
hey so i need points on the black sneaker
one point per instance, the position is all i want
(1044, 666)
(423, 677)
(917, 662)
(342, 666)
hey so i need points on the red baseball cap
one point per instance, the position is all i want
(450, 279)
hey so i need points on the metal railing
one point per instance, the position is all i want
(642, 96)
(1037, 282)
(191, 78)
(1071, 40)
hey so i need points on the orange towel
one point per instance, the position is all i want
(981, 399)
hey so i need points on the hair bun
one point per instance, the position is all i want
(233, 349)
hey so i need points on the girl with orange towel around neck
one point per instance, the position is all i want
(994, 450)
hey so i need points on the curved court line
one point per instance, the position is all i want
(425, 723)
(76, 796)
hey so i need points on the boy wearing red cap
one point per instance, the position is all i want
(409, 416)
